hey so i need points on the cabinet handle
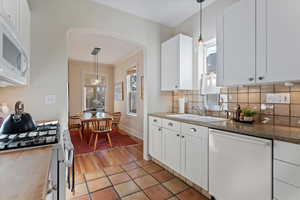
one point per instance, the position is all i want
(170, 124)
(159, 129)
(261, 78)
(155, 120)
(193, 129)
(251, 79)
(182, 136)
(178, 135)
(176, 86)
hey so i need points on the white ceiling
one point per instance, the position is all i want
(168, 12)
(81, 44)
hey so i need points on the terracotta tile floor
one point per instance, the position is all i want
(127, 179)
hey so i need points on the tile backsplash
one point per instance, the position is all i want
(250, 96)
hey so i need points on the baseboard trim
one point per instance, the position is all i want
(129, 131)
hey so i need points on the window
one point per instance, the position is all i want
(131, 91)
(94, 93)
(208, 67)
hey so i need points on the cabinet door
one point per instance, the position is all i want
(25, 23)
(172, 151)
(239, 43)
(170, 64)
(11, 11)
(156, 142)
(240, 167)
(281, 40)
(196, 160)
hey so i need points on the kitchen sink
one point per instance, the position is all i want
(196, 117)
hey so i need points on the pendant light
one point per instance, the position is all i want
(200, 40)
(95, 53)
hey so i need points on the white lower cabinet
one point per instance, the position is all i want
(182, 147)
(172, 149)
(156, 142)
(286, 171)
(195, 147)
(240, 167)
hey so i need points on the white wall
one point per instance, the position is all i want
(51, 20)
(131, 124)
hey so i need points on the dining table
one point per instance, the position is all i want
(87, 118)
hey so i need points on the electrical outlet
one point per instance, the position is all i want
(50, 99)
(279, 98)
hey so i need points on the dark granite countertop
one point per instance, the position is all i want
(274, 132)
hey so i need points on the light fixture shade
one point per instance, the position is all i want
(200, 40)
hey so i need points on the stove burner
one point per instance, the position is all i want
(45, 134)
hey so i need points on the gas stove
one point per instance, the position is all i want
(45, 134)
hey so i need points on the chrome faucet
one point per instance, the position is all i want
(202, 110)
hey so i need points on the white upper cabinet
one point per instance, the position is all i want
(258, 42)
(10, 11)
(177, 63)
(25, 25)
(239, 43)
(278, 32)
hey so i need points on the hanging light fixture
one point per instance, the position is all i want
(200, 40)
(95, 53)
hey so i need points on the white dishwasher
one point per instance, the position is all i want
(240, 167)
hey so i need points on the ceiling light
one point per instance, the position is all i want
(200, 40)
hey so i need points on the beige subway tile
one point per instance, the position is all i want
(282, 121)
(295, 97)
(295, 121)
(254, 88)
(295, 110)
(232, 90)
(267, 109)
(281, 88)
(267, 88)
(254, 97)
(243, 98)
(243, 89)
(224, 90)
(295, 87)
(282, 109)
(232, 97)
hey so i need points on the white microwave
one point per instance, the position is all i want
(14, 61)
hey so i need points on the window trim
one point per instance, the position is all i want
(83, 85)
(128, 74)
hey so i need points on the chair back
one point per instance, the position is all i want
(101, 125)
(74, 122)
(116, 117)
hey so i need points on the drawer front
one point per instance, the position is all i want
(287, 172)
(172, 125)
(155, 121)
(283, 191)
(287, 152)
(193, 130)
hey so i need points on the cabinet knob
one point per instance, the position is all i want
(193, 129)
(159, 129)
(261, 78)
(170, 124)
(176, 86)
(155, 120)
(251, 79)
(182, 136)
(178, 135)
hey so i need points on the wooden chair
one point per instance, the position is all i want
(75, 125)
(99, 127)
(116, 119)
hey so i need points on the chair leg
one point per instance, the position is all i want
(95, 144)
(109, 140)
(80, 134)
(91, 138)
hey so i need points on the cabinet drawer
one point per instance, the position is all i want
(170, 124)
(197, 131)
(155, 121)
(287, 152)
(283, 191)
(287, 172)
